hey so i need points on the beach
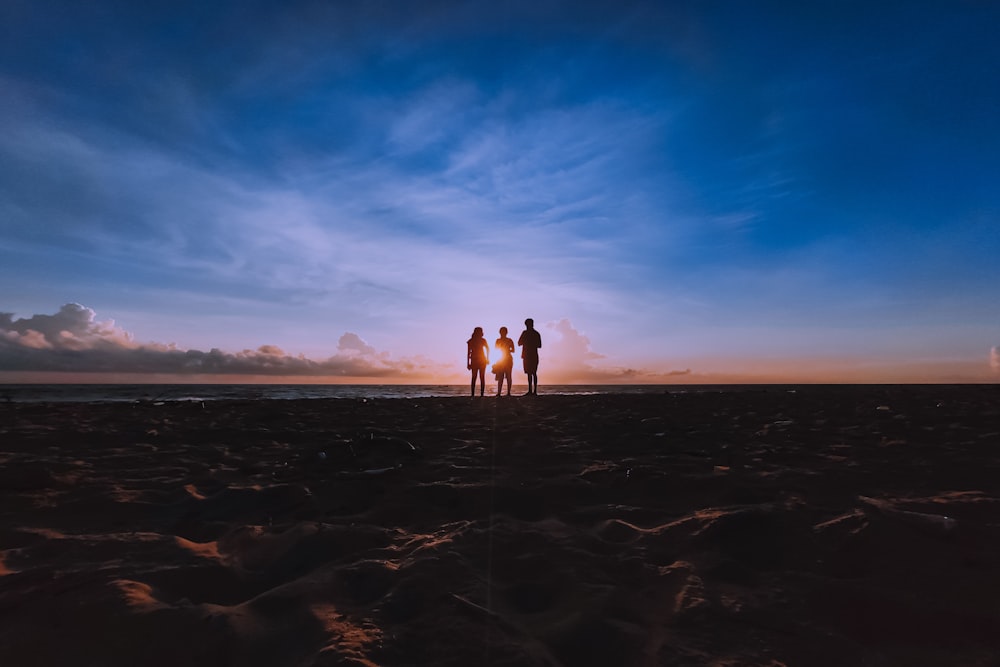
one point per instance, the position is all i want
(835, 525)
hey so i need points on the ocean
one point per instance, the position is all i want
(132, 393)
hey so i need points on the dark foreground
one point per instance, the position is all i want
(829, 526)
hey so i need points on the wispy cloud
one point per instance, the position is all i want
(527, 198)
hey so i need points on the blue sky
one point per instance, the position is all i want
(739, 190)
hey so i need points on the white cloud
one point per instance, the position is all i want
(571, 347)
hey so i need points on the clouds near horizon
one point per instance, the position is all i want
(74, 341)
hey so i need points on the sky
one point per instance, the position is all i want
(341, 191)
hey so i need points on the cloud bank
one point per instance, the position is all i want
(73, 340)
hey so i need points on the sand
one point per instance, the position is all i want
(761, 526)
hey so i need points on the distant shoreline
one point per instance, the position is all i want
(178, 392)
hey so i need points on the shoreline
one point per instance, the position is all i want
(139, 393)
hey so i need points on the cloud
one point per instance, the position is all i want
(379, 226)
(73, 340)
(351, 344)
(995, 358)
(571, 347)
(572, 359)
(348, 234)
(73, 328)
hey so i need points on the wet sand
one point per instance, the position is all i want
(824, 526)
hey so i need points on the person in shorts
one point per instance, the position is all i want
(530, 341)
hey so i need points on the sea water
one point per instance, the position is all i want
(130, 393)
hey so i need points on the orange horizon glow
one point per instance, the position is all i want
(824, 371)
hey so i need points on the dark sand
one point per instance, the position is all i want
(830, 526)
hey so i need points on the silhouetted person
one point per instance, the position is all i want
(477, 358)
(504, 366)
(530, 340)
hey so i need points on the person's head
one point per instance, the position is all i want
(477, 332)
(503, 331)
(530, 323)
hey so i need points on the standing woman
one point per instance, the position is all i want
(505, 365)
(477, 358)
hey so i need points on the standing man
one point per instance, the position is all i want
(530, 341)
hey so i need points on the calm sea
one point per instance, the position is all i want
(102, 393)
